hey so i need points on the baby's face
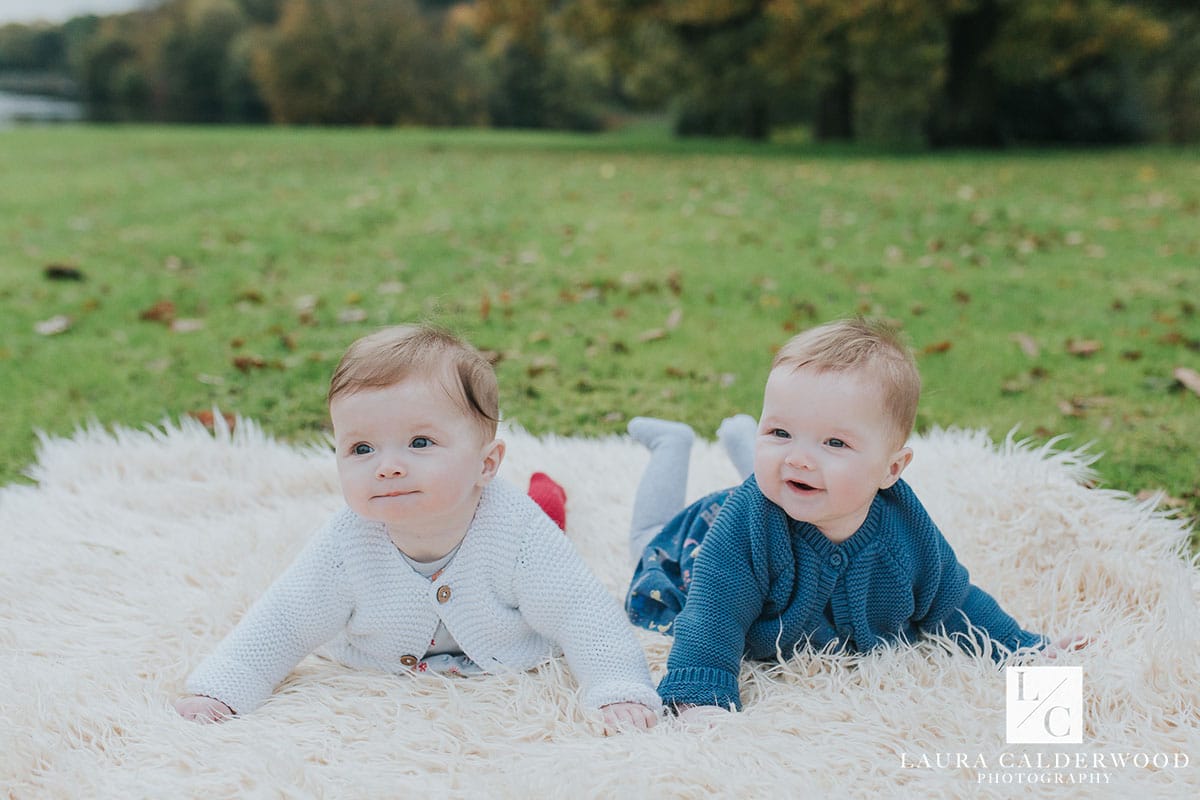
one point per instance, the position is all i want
(409, 457)
(825, 447)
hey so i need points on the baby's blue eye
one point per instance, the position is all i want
(835, 443)
(362, 449)
(780, 433)
(421, 442)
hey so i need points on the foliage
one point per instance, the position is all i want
(540, 75)
(896, 72)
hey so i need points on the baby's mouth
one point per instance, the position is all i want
(800, 486)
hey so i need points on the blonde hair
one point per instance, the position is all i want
(391, 355)
(869, 345)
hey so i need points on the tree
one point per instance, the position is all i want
(378, 62)
(540, 75)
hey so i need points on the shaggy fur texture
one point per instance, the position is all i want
(136, 551)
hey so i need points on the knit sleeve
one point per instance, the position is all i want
(563, 600)
(946, 600)
(304, 608)
(727, 594)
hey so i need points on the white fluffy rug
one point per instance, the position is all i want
(136, 551)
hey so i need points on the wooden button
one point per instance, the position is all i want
(408, 661)
(443, 594)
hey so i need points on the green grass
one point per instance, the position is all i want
(565, 254)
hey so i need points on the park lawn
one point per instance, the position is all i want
(1051, 292)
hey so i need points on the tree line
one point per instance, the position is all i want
(913, 72)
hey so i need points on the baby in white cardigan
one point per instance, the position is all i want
(434, 564)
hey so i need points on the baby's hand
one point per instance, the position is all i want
(1067, 644)
(202, 709)
(701, 715)
(626, 715)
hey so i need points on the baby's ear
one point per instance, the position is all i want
(493, 456)
(900, 459)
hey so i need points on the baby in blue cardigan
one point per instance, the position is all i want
(823, 545)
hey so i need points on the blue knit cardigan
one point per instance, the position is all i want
(765, 584)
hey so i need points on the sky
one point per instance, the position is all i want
(27, 11)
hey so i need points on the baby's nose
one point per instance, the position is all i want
(392, 468)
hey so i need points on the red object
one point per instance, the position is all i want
(550, 496)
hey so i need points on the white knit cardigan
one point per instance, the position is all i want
(515, 595)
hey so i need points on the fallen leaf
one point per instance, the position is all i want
(1079, 406)
(247, 363)
(187, 325)
(962, 297)
(62, 272)
(163, 311)
(54, 325)
(938, 347)
(541, 364)
(674, 318)
(1189, 378)
(652, 335)
(1084, 348)
(485, 307)
(675, 282)
(1028, 344)
(207, 419)
(351, 315)
(1072, 409)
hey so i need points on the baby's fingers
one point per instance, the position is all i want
(627, 715)
(1067, 644)
(202, 709)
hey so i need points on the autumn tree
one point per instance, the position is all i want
(200, 76)
(944, 71)
(1045, 70)
(540, 75)
(1173, 71)
(377, 62)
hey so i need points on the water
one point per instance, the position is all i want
(16, 109)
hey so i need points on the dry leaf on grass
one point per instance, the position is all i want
(1028, 344)
(1084, 347)
(62, 272)
(55, 325)
(163, 311)
(207, 419)
(1189, 378)
(652, 335)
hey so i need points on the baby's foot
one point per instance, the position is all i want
(736, 435)
(656, 433)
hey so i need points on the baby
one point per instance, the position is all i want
(434, 565)
(823, 545)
